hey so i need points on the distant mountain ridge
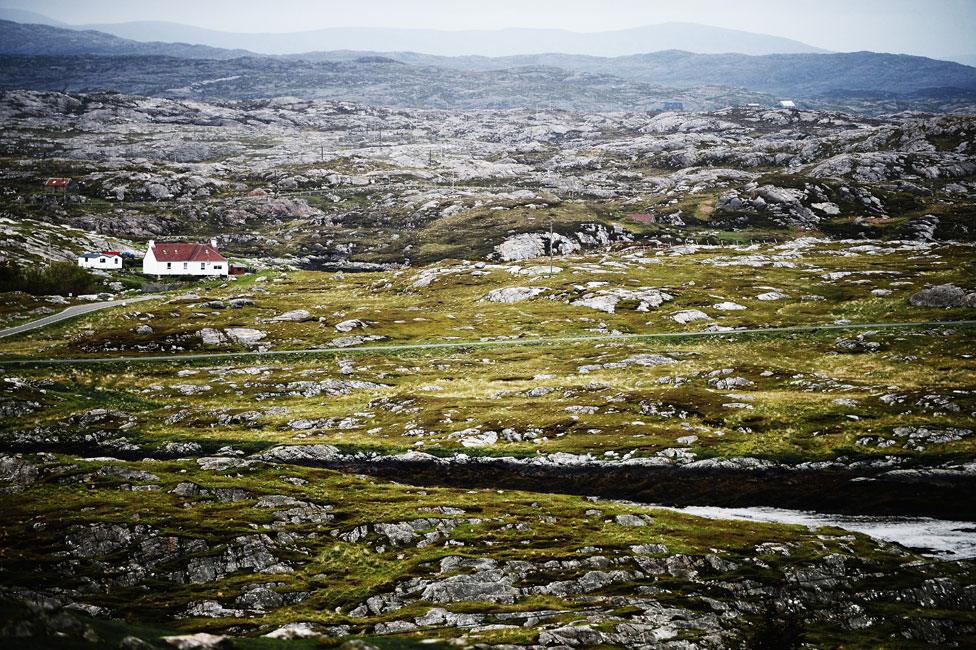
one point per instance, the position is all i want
(45, 40)
(334, 74)
(691, 37)
(29, 17)
(800, 75)
(502, 42)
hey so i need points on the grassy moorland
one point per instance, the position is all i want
(146, 498)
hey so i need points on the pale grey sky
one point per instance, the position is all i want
(938, 28)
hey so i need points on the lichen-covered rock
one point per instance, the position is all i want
(296, 316)
(16, 474)
(943, 295)
(299, 630)
(532, 245)
(199, 641)
(350, 325)
(511, 295)
(244, 335)
(492, 586)
(689, 316)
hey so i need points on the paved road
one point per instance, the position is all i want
(387, 349)
(71, 312)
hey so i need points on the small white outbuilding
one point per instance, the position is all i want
(104, 260)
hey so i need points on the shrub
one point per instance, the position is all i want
(780, 628)
(57, 277)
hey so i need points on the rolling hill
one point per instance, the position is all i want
(77, 60)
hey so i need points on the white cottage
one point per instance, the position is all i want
(105, 260)
(183, 258)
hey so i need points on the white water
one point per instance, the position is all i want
(938, 538)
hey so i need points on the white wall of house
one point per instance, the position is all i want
(105, 262)
(151, 266)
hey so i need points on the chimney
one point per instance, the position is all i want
(213, 242)
(152, 243)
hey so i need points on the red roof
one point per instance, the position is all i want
(57, 182)
(184, 252)
(115, 253)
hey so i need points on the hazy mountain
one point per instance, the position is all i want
(45, 40)
(799, 75)
(505, 42)
(29, 17)
(965, 59)
(412, 79)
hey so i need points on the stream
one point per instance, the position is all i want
(936, 538)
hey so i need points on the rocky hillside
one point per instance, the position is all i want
(798, 75)
(336, 183)
(374, 80)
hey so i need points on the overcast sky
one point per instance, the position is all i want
(937, 28)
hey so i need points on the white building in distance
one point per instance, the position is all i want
(183, 258)
(105, 260)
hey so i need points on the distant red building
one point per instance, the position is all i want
(59, 184)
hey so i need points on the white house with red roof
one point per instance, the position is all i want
(105, 260)
(184, 258)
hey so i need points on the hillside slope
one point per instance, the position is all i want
(800, 75)
(33, 40)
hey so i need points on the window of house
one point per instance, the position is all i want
(186, 265)
(101, 260)
(218, 267)
(203, 265)
(169, 265)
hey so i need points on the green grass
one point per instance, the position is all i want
(791, 410)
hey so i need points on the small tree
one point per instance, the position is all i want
(11, 278)
(57, 277)
(68, 277)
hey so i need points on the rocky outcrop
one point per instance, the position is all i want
(884, 166)
(530, 246)
(511, 295)
(296, 316)
(607, 300)
(534, 245)
(943, 295)
(232, 335)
